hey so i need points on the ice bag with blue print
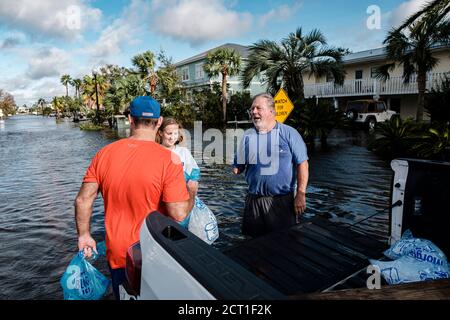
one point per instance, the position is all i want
(415, 259)
(82, 281)
(420, 249)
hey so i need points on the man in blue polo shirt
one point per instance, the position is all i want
(274, 158)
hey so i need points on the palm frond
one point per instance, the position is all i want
(428, 7)
(315, 36)
(397, 44)
(442, 34)
(330, 52)
(409, 67)
(383, 72)
(289, 59)
(298, 33)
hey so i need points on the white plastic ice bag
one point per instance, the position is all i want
(407, 269)
(415, 259)
(420, 249)
(203, 223)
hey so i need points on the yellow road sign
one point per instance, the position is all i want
(283, 106)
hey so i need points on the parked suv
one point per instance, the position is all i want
(368, 112)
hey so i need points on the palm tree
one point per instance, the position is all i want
(122, 92)
(88, 89)
(66, 80)
(41, 103)
(318, 120)
(286, 64)
(169, 80)
(145, 63)
(224, 61)
(77, 84)
(58, 105)
(435, 143)
(440, 5)
(412, 48)
(394, 138)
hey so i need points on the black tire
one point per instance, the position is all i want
(352, 115)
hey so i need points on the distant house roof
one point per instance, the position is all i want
(366, 55)
(377, 54)
(242, 50)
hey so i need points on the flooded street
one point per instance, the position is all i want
(43, 162)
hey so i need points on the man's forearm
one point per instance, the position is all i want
(178, 210)
(83, 207)
(192, 187)
(83, 213)
(302, 176)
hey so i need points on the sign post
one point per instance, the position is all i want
(283, 106)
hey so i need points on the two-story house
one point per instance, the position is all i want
(193, 76)
(360, 82)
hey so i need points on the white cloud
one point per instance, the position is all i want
(62, 18)
(360, 40)
(122, 31)
(45, 88)
(198, 21)
(48, 62)
(43, 65)
(28, 91)
(14, 83)
(281, 13)
(9, 43)
(111, 40)
(404, 11)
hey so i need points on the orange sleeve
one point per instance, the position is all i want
(174, 186)
(91, 173)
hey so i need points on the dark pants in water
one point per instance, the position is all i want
(117, 278)
(265, 214)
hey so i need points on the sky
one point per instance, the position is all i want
(42, 39)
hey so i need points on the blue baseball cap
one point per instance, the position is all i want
(145, 107)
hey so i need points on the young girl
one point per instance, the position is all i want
(170, 136)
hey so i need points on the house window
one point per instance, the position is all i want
(185, 74)
(358, 74)
(199, 73)
(373, 72)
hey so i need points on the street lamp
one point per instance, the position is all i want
(97, 115)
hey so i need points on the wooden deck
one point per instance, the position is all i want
(312, 256)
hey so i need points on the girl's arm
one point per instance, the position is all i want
(193, 171)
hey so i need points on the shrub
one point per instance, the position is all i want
(394, 138)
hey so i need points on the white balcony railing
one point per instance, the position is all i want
(363, 87)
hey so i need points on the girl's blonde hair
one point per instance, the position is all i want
(167, 122)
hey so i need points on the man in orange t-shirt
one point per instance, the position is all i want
(135, 176)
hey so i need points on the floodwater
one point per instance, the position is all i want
(43, 161)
